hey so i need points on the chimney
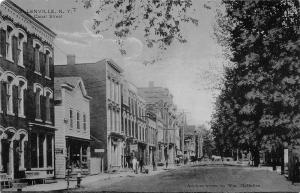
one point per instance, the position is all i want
(151, 84)
(70, 59)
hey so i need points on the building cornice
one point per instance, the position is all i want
(20, 17)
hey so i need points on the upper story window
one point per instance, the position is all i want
(111, 89)
(48, 96)
(48, 55)
(84, 122)
(21, 39)
(78, 120)
(9, 95)
(37, 46)
(38, 89)
(21, 88)
(9, 35)
(71, 118)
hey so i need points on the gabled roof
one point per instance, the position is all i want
(70, 83)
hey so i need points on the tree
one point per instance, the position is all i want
(160, 22)
(262, 41)
(208, 143)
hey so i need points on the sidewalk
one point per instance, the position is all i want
(61, 184)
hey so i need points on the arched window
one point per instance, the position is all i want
(22, 37)
(48, 54)
(48, 93)
(38, 90)
(37, 46)
(10, 30)
(9, 79)
(2, 26)
(22, 85)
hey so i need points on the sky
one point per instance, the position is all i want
(186, 69)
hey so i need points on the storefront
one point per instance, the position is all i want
(142, 153)
(41, 141)
(78, 155)
(152, 152)
(13, 146)
(115, 151)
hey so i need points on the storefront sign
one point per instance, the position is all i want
(99, 150)
(134, 147)
(59, 150)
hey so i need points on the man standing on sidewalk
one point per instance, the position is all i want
(141, 165)
(134, 165)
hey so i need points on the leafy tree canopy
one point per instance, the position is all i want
(159, 21)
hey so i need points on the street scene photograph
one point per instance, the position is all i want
(149, 96)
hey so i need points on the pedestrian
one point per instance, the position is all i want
(134, 165)
(141, 165)
(295, 175)
(153, 164)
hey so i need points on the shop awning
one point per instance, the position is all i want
(78, 139)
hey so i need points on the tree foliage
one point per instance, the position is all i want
(259, 104)
(160, 22)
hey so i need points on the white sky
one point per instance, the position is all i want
(186, 69)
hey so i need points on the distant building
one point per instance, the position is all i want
(26, 94)
(103, 83)
(152, 135)
(160, 100)
(72, 120)
(193, 142)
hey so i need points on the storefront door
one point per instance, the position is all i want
(5, 156)
(16, 152)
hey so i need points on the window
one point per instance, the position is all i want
(9, 34)
(41, 142)
(47, 64)
(48, 111)
(108, 87)
(34, 154)
(111, 89)
(115, 91)
(22, 86)
(71, 118)
(78, 120)
(111, 120)
(129, 127)
(38, 103)
(108, 120)
(21, 39)
(115, 121)
(9, 98)
(37, 60)
(84, 122)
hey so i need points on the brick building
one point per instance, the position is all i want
(72, 120)
(26, 99)
(102, 80)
